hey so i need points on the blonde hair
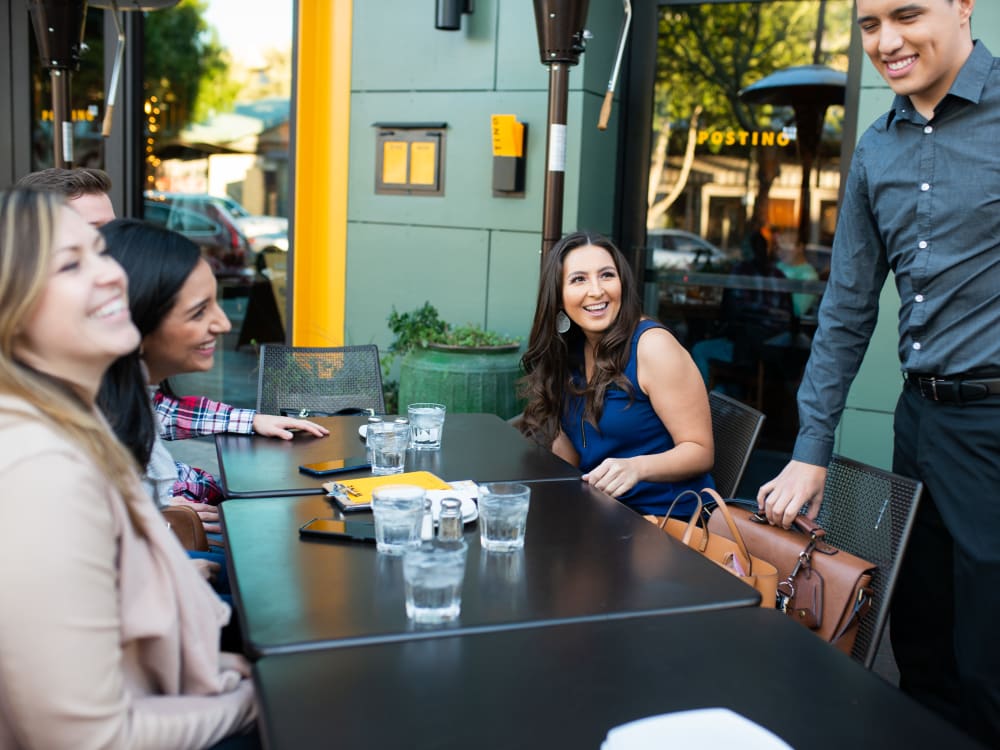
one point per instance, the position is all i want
(27, 228)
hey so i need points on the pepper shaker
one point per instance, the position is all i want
(450, 520)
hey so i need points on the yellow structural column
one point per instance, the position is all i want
(322, 140)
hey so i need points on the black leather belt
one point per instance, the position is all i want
(954, 390)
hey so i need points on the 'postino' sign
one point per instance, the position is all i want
(744, 137)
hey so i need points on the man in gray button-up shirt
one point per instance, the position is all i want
(923, 199)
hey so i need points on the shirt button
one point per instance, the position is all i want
(929, 129)
(919, 298)
(916, 346)
(922, 244)
(925, 187)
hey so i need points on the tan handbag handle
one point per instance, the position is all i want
(741, 545)
(692, 522)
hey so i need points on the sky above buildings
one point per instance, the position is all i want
(246, 34)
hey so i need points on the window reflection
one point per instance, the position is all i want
(217, 87)
(86, 101)
(737, 247)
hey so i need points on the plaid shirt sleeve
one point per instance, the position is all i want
(192, 416)
(197, 485)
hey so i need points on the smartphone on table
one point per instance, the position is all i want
(336, 466)
(329, 528)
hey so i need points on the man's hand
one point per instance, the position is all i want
(797, 484)
(270, 425)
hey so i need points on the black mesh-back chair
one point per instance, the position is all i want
(869, 513)
(735, 429)
(319, 381)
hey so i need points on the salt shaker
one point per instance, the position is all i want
(368, 445)
(404, 420)
(450, 520)
(427, 525)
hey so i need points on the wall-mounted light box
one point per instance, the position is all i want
(409, 158)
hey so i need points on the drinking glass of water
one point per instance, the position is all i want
(433, 575)
(503, 515)
(426, 425)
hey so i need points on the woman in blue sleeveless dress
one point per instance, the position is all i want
(610, 391)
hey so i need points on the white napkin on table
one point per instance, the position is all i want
(693, 730)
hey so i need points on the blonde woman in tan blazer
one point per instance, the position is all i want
(108, 637)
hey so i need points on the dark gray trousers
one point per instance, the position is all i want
(946, 608)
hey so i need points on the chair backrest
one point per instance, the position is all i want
(869, 512)
(320, 380)
(187, 525)
(735, 429)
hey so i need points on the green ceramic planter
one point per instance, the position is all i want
(466, 380)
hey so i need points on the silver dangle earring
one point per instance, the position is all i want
(562, 322)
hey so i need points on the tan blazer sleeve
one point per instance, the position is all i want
(63, 671)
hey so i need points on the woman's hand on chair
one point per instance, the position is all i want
(270, 425)
(235, 662)
(207, 569)
(614, 476)
(208, 514)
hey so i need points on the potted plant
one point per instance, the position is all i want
(466, 368)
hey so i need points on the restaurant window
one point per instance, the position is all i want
(745, 170)
(217, 84)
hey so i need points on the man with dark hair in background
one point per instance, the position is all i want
(86, 190)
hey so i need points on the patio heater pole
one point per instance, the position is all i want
(59, 26)
(561, 41)
(555, 156)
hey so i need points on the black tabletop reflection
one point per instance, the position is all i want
(481, 447)
(586, 556)
(566, 686)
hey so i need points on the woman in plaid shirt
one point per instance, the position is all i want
(172, 297)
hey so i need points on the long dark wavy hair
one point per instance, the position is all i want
(157, 262)
(551, 357)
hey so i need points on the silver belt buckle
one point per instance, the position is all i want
(932, 392)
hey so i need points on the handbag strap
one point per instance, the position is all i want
(745, 559)
(692, 522)
(805, 524)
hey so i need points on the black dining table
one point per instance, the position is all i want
(565, 686)
(586, 556)
(480, 447)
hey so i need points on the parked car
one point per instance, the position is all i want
(260, 233)
(684, 251)
(220, 239)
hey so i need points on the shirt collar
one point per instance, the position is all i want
(968, 84)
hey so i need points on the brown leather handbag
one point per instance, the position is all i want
(729, 551)
(826, 589)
